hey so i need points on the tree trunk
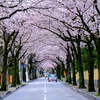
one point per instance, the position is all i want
(91, 69)
(98, 59)
(99, 72)
(35, 73)
(69, 75)
(17, 74)
(14, 73)
(62, 71)
(24, 75)
(32, 72)
(66, 75)
(58, 71)
(81, 76)
(91, 79)
(4, 78)
(74, 73)
(69, 69)
(73, 68)
(53, 72)
(79, 64)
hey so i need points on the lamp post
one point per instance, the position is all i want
(7, 77)
(27, 70)
(9, 54)
(20, 70)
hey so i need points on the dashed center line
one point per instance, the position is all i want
(44, 91)
(45, 96)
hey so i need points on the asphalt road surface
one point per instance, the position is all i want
(41, 89)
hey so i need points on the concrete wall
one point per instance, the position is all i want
(86, 77)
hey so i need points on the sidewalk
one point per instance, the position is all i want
(3, 94)
(84, 91)
(11, 89)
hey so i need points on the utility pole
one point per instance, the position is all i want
(27, 70)
(20, 74)
(7, 80)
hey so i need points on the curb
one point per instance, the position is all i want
(6, 94)
(84, 93)
(10, 92)
(17, 88)
(93, 96)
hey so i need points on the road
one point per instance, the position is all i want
(41, 89)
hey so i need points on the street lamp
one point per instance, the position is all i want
(9, 54)
(20, 70)
(26, 63)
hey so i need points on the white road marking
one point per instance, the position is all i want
(45, 97)
(44, 91)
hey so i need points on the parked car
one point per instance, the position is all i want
(52, 77)
(46, 75)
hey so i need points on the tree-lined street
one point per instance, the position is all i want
(59, 37)
(41, 89)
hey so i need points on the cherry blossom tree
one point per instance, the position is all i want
(15, 50)
(78, 19)
(70, 52)
(8, 12)
(72, 20)
(7, 44)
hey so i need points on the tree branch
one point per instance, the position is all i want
(11, 6)
(22, 55)
(20, 10)
(95, 2)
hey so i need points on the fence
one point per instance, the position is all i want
(9, 78)
(86, 78)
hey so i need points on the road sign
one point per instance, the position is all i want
(21, 66)
(36, 70)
